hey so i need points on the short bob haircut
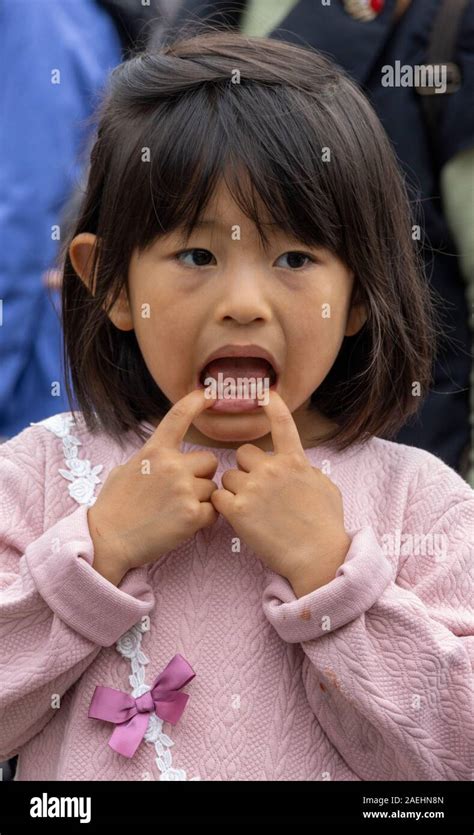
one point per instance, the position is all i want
(181, 101)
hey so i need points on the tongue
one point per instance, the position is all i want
(238, 367)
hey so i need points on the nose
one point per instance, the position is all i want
(244, 297)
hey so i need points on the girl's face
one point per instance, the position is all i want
(184, 304)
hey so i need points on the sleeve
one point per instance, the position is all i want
(56, 611)
(389, 658)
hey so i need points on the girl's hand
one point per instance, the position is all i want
(159, 498)
(287, 511)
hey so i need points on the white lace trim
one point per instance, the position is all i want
(82, 479)
(129, 646)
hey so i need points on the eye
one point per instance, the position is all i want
(201, 256)
(294, 259)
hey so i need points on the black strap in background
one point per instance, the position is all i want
(134, 21)
(441, 50)
(218, 13)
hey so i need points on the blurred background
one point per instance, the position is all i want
(55, 58)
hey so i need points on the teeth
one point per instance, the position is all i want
(272, 377)
(234, 387)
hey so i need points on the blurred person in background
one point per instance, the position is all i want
(54, 61)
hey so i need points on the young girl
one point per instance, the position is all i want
(237, 588)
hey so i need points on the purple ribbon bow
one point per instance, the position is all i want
(132, 715)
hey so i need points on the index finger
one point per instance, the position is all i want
(283, 429)
(173, 427)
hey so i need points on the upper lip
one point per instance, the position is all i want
(242, 351)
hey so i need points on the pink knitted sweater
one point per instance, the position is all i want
(366, 678)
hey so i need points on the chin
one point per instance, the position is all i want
(242, 426)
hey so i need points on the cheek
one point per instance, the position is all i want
(314, 343)
(154, 311)
(326, 321)
(319, 327)
(157, 328)
(167, 342)
(162, 344)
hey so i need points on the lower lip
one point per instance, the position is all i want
(231, 405)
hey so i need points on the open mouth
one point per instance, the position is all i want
(240, 384)
(239, 368)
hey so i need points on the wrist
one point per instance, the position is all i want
(107, 560)
(112, 571)
(312, 573)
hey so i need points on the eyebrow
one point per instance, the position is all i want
(224, 227)
(211, 221)
(215, 222)
(204, 222)
(219, 224)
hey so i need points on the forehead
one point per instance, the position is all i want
(223, 207)
(213, 197)
(223, 211)
(222, 214)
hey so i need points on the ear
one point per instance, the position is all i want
(81, 251)
(357, 317)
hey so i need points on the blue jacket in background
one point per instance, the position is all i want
(43, 137)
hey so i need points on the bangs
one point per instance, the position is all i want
(270, 164)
